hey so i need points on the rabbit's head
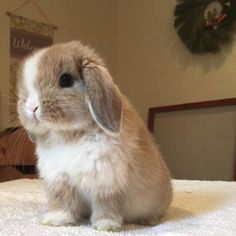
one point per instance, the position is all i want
(67, 87)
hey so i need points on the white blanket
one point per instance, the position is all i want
(198, 208)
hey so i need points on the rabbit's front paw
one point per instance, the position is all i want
(57, 218)
(106, 225)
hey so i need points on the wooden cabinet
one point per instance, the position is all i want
(17, 158)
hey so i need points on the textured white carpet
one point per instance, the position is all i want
(198, 208)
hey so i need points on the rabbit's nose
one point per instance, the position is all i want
(35, 109)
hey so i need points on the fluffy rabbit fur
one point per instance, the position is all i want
(95, 155)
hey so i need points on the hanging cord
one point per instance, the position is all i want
(21, 6)
(41, 12)
(46, 18)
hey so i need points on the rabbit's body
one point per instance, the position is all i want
(110, 172)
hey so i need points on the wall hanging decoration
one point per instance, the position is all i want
(26, 35)
(205, 25)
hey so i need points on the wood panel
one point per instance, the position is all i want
(154, 111)
(17, 158)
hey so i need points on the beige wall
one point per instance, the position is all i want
(139, 43)
(142, 50)
(156, 69)
(92, 21)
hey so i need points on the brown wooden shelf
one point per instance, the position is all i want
(16, 150)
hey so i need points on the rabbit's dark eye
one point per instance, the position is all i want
(66, 80)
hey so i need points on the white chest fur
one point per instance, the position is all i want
(90, 164)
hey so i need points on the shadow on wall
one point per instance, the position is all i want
(171, 41)
(207, 61)
(210, 61)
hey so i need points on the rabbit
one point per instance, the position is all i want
(95, 155)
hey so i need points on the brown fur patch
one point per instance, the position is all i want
(63, 196)
(145, 184)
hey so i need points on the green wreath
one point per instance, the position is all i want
(204, 25)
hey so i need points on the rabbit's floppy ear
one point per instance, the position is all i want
(103, 97)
